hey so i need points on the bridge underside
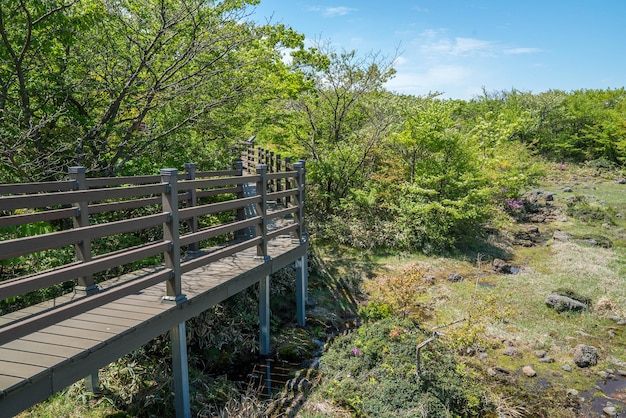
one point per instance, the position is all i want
(35, 367)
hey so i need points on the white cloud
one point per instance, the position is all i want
(356, 41)
(433, 42)
(436, 43)
(400, 60)
(430, 80)
(337, 11)
(516, 51)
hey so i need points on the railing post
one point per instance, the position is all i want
(299, 167)
(171, 234)
(278, 186)
(261, 210)
(287, 180)
(173, 286)
(82, 249)
(258, 157)
(241, 212)
(85, 285)
(192, 200)
(271, 166)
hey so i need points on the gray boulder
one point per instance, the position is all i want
(561, 236)
(501, 266)
(563, 303)
(585, 355)
(455, 278)
(610, 411)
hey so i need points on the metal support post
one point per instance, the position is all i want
(264, 316)
(180, 370)
(305, 272)
(301, 274)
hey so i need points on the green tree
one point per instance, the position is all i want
(123, 86)
(36, 88)
(344, 117)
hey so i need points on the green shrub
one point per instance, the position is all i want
(374, 311)
(581, 208)
(372, 372)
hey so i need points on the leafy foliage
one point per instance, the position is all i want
(581, 208)
(371, 372)
(577, 126)
(112, 84)
(401, 294)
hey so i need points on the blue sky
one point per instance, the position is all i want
(457, 47)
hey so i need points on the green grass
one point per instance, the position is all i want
(512, 309)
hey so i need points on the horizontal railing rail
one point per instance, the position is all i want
(21, 246)
(43, 187)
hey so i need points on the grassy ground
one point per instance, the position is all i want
(509, 311)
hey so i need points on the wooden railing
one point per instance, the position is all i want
(181, 207)
(252, 156)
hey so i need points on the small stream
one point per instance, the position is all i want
(611, 392)
(265, 376)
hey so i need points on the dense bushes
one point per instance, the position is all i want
(372, 372)
(438, 177)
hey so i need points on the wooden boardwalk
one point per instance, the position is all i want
(46, 347)
(45, 362)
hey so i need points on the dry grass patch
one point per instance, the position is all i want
(592, 271)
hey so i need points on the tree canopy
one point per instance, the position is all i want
(106, 83)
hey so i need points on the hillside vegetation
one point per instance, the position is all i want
(430, 218)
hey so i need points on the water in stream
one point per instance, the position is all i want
(267, 376)
(611, 392)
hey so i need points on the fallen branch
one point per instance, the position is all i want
(421, 345)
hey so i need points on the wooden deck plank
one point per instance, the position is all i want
(100, 318)
(8, 381)
(140, 306)
(68, 341)
(87, 334)
(12, 316)
(117, 312)
(19, 369)
(155, 293)
(80, 324)
(42, 348)
(33, 359)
